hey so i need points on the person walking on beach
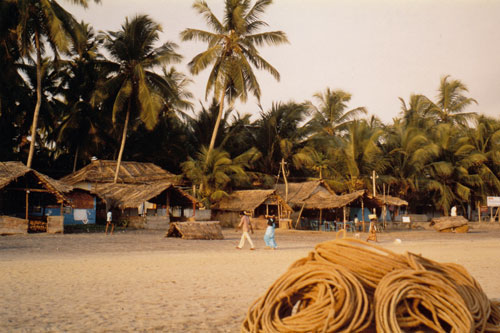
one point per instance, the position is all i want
(269, 235)
(109, 221)
(246, 226)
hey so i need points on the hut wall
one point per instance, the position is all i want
(227, 219)
(157, 222)
(13, 225)
(55, 224)
(137, 222)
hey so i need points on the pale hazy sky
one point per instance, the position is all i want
(377, 50)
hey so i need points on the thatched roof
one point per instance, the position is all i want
(323, 200)
(249, 200)
(299, 192)
(133, 195)
(11, 171)
(102, 171)
(389, 200)
(195, 230)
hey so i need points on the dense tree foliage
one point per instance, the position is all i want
(94, 91)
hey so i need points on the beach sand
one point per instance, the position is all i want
(141, 281)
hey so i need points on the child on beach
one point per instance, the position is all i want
(269, 235)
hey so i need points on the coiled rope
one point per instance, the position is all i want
(349, 285)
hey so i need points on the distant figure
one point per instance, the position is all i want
(372, 232)
(269, 235)
(356, 223)
(453, 211)
(245, 226)
(109, 221)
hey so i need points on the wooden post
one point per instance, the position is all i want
(167, 210)
(320, 218)
(478, 211)
(363, 214)
(27, 202)
(300, 214)
(491, 214)
(267, 208)
(194, 208)
(345, 222)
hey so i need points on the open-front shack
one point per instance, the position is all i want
(141, 190)
(258, 202)
(30, 201)
(150, 206)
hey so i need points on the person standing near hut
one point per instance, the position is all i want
(109, 221)
(269, 235)
(246, 226)
(373, 229)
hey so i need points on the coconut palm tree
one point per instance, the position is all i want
(40, 19)
(360, 154)
(331, 116)
(135, 88)
(448, 176)
(217, 173)
(232, 51)
(451, 102)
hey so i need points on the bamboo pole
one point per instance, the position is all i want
(300, 214)
(27, 202)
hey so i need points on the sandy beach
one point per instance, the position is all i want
(141, 281)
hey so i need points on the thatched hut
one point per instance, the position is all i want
(150, 206)
(103, 172)
(30, 201)
(195, 230)
(258, 202)
(296, 193)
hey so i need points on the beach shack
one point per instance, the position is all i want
(258, 202)
(102, 172)
(147, 206)
(30, 201)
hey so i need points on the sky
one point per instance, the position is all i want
(377, 50)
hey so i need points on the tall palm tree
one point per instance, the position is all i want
(232, 51)
(137, 89)
(360, 154)
(278, 134)
(332, 116)
(451, 102)
(448, 176)
(40, 19)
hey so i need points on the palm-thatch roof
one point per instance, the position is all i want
(11, 171)
(249, 200)
(195, 230)
(299, 192)
(103, 171)
(324, 200)
(388, 200)
(133, 195)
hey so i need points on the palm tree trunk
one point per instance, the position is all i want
(217, 124)
(76, 158)
(38, 99)
(122, 146)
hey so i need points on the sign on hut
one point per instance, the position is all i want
(195, 230)
(450, 224)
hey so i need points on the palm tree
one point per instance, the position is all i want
(360, 154)
(232, 50)
(331, 117)
(216, 173)
(43, 19)
(451, 102)
(448, 176)
(278, 134)
(138, 90)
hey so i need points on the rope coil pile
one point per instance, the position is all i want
(348, 285)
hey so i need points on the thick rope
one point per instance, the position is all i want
(349, 285)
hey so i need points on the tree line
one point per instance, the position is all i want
(68, 93)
